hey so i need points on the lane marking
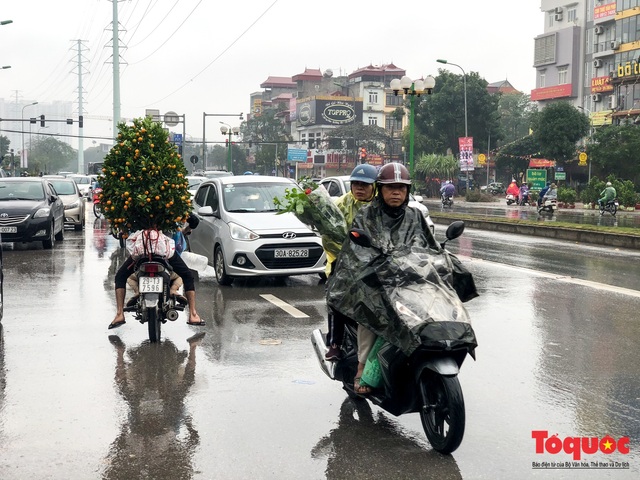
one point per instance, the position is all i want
(563, 278)
(290, 309)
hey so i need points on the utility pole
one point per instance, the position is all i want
(81, 60)
(116, 68)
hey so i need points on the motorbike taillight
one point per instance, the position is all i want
(152, 268)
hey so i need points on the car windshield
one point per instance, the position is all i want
(82, 180)
(63, 188)
(253, 197)
(21, 191)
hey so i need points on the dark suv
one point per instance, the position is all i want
(30, 210)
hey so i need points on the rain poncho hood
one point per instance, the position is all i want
(400, 288)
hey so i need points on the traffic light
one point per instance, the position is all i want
(363, 154)
(42, 120)
(80, 121)
(226, 143)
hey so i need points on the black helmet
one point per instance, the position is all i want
(394, 173)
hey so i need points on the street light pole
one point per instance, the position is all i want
(204, 143)
(414, 88)
(22, 159)
(464, 81)
(227, 129)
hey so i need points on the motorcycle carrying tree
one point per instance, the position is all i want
(401, 289)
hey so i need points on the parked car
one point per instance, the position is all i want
(74, 204)
(338, 186)
(494, 188)
(1, 284)
(30, 211)
(242, 235)
(84, 183)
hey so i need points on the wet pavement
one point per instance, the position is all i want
(557, 351)
(578, 215)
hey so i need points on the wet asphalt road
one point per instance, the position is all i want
(558, 339)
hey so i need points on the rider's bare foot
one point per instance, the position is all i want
(117, 321)
(194, 319)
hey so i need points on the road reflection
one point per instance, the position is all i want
(362, 444)
(158, 439)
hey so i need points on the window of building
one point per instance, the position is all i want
(373, 97)
(550, 18)
(541, 78)
(392, 124)
(563, 75)
(544, 50)
(373, 121)
(394, 100)
(572, 14)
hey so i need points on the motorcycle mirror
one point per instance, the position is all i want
(453, 231)
(359, 237)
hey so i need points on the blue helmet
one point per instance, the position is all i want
(364, 173)
(248, 173)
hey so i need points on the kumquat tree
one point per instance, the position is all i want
(143, 180)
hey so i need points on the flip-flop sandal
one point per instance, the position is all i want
(201, 323)
(361, 388)
(116, 324)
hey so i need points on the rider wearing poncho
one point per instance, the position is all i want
(366, 280)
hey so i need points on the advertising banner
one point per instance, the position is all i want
(328, 111)
(466, 154)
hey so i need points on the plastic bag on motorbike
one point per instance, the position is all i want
(145, 243)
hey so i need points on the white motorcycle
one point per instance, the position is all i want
(548, 205)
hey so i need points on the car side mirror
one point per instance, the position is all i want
(418, 198)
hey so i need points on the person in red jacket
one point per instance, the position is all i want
(513, 189)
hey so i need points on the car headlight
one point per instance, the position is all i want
(42, 212)
(240, 233)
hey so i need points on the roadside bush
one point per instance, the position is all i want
(625, 191)
(567, 195)
(477, 196)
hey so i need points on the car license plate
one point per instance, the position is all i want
(8, 229)
(291, 253)
(150, 284)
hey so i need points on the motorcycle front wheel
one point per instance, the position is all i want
(96, 210)
(442, 413)
(153, 324)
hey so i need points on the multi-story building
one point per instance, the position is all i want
(589, 55)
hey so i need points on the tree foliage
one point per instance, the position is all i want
(515, 111)
(50, 155)
(440, 117)
(557, 129)
(614, 150)
(264, 131)
(143, 183)
(513, 159)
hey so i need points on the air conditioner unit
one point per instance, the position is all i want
(612, 102)
(598, 30)
(614, 44)
(597, 63)
(558, 17)
(558, 9)
(596, 97)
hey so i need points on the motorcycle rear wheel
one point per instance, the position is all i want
(96, 210)
(442, 414)
(154, 325)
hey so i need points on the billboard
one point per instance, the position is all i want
(466, 154)
(334, 111)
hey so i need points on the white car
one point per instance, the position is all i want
(74, 204)
(338, 186)
(194, 182)
(84, 183)
(242, 235)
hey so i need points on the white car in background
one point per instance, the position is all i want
(84, 183)
(74, 204)
(338, 186)
(194, 182)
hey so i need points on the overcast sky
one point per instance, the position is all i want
(195, 56)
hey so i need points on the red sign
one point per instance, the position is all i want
(374, 159)
(601, 84)
(604, 11)
(556, 91)
(466, 154)
(541, 163)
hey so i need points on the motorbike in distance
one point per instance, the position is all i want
(525, 199)
(425, 382)
(154, 305)
(611, 206)
(511, 199)
(447, 200)
(549, 205)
